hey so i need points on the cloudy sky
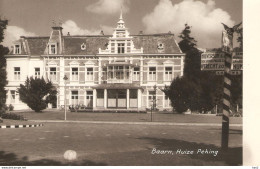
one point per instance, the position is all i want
(80, 17)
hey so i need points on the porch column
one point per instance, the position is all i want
(94, 98)
(105, 98)
(127, 98)
(139, 98)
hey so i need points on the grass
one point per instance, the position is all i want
(129, 117)
(15, 122)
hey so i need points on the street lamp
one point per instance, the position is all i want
(65, 109)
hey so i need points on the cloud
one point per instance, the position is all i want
(13, 33)
(74, 29)
(204, 18)
(108, 6)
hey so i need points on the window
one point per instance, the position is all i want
(119, 72)
(89, 95)
(100, 93)
(168, 74)
(133, 94)
(136, 75)
(83, 46)
(53, 74)
(17, 73)
(104, 74)
(121, 48)
(110, 72)
(74, 97)
(167, 102)
(17, 49)
(37, 72)
(75, 73)
(160, 46)
(12, 96)
(89, 99)
(52, 49)
(90, 76)
(152, 73)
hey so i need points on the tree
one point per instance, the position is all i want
(3, 77)
(187, 42)
(240, 37)
(35, 93)
(184, 94)
(192, 58)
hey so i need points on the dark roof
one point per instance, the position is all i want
(72, 44)
(93, 43)
(150, 42)
(37, 45)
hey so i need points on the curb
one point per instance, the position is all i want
(145, 123)
(21, 126)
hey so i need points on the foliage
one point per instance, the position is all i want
(34, 93)
(187, 41)
(3, 78)
(236, 90)
(11, 107)
(52, 97)
(199, 90)
(184, 94)
(240, 37)
(13, 116)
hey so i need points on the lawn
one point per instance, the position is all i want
(129, 117)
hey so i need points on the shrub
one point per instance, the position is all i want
(13, 116)
(34, 93)
(11, 107)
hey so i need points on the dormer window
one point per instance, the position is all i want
(83, 46)
(17, 49)
(52, 48)
(160, 46)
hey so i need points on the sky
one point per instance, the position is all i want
(88, 17)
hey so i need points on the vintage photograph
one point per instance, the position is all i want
(121, 83)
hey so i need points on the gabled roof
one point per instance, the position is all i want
(72, 44)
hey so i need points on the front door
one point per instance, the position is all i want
(116, 98)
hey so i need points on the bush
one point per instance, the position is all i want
(34, 93)
(184, 94)
(13, 116)
(11, 107)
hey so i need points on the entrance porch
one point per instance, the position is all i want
(117, 96)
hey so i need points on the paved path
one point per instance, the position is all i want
(113, 144)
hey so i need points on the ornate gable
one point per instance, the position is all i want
(121, 42)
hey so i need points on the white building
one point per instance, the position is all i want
(104, 71)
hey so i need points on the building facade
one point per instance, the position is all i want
(116, 71)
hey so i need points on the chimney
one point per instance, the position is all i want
(101, 32)
(68, 34)
(141, 33)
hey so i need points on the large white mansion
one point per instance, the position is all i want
(104, 71)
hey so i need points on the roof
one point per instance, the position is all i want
(72, 44)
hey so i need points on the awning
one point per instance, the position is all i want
(117, 86)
